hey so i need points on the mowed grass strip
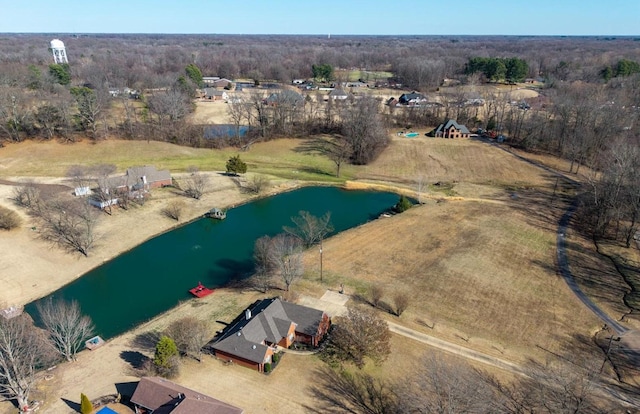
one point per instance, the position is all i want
(52, 159)
(449, 160)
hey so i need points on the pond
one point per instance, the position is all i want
(155, 276)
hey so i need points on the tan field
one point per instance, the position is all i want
(478, 259)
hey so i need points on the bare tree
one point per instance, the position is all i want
(22, 351)
(263, 274)
(190, 335)
(69, 223)
(9, 219)
(285, 256)
(27, 195)
(376, 292)
(257, 183)
(68, 328)
(309, 228)
(195, 185)
(107, 191)
(79, 175)
(359, 335)
(364, 130)
(401, 301)
(173, 210)
(340, 391)
(438, 386)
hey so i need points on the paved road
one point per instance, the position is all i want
(565, 271)
(561, 249)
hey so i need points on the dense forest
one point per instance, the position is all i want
(587, 110)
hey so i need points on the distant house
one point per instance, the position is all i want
(451, 129)
(392, 101)
(284, 97)
(209, 80)
(413, 98)
(215, 94)
(338, 95)
(159, 395)
(137, 178)
(221, 83)
(268, 324)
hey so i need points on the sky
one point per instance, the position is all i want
(336, 17)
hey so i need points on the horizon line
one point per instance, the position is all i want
(320, 34)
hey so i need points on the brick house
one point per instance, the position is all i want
(159, 395)
(266, 325)
(136, 178)
(451, 129)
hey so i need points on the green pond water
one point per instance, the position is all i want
(157, 275)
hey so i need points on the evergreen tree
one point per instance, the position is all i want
(61, 73)
(85, 405)
(236, 166)
(194, 73)
(166, 351)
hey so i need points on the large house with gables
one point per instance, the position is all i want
(451, 129)
(266, 325)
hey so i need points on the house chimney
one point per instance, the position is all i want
(247, 314)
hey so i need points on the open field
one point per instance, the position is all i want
(477, 258)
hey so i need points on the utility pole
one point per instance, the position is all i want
(321, 260)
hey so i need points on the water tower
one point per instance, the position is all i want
(59, 54)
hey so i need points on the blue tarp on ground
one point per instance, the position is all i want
(106, 410)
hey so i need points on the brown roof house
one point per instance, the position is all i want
(266, 325)
(137, 178)
(451, 129)
(135, 182)
(161, 396)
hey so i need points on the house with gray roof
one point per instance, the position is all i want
(215, 94)
(137, 178)
(285, 97)
(266, 325)
(451, 129)
(412, 99)
(161, 396)
(338, 94)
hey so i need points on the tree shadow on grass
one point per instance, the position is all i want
(134, 358)
(73, 405)
(147, 340)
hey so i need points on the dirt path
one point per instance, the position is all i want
(335, 305)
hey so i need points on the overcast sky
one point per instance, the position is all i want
(375, 17)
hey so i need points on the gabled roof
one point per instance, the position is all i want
(338, 92)
(451, 123)
(413, 96)
(214, 92)
(166, 397)
(134, 176)
(285, 96)
(270, 321)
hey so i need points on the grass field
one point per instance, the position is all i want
(478, 258)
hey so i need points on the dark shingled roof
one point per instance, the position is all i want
(270, 321)
(166, 397)
(444, 127)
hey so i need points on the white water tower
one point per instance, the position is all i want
(59, 54)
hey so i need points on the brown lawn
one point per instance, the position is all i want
(478, 259)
